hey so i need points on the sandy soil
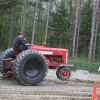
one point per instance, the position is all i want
(51, 89)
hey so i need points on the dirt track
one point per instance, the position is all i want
(51, 89)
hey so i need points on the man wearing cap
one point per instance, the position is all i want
(19, 43)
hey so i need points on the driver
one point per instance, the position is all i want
(19, 42)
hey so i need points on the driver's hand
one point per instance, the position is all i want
(27, 44)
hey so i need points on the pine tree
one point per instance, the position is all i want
(59, 23)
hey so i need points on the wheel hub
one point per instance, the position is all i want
(32, 68)
(64, 73)
(31, 71)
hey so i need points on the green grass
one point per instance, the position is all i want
(82, 64)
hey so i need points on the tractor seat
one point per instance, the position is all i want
(17, 51)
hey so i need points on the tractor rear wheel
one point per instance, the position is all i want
(30, 67)
(63, 73)
(9, 53)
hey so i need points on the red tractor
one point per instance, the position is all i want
(29, 67)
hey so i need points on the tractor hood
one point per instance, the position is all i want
(48, 50)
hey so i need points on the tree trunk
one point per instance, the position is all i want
(70, 14)
(11, 27)
(75, 31)
(70, 28)
(35, 18)
(1, 35)
(96, 30)
(92, 32)
(23, 16)
(48, 15)
(78, 28)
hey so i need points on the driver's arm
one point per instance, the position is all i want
(22, 42)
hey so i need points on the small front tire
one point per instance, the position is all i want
(63, 73)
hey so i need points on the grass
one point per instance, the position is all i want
(82, 64)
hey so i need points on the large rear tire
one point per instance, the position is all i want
(9, 53)
(30, 67)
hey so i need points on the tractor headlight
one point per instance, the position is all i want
(66, 56)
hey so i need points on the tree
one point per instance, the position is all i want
(76, 26)
(35, 18)
(96, 29)
(92, 30)
(48, 15)
(71, 25)
(59, 24)
(85, 29)
(13, 6)
(23, 15)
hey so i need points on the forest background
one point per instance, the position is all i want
(69, 24)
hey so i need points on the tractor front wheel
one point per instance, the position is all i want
(63, 73)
